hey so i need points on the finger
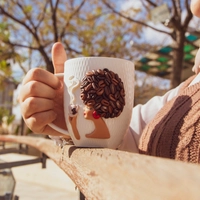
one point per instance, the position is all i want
(38, 121)
(59, 57)
(36, 89)
(35, 105)
(42, 76)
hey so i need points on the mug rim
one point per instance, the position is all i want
(99, 57)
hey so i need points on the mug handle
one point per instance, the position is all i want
(63, 131)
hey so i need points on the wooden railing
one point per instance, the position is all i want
(111, 174)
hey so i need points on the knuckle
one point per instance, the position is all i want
(32, 103)
(31, 123)
(34, 123)
(35, 73)
(37, 122)
(33, 87)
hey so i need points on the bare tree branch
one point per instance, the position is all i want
(151, 3)
(189, 14)
(54, 19)
(133, 20)
(26, 15)
(2, 11)
(71, 16)
(20, 45)
(43, 15)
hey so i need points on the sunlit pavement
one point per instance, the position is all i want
(33, 182)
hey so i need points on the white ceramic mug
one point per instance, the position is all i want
(98, 100)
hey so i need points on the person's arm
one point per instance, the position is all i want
(195, 7)
(141, 116)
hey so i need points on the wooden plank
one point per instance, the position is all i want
(111, 174)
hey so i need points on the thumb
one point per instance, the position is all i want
(59, 57)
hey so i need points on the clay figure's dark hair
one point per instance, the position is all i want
(104, 91)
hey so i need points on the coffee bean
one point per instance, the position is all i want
(90, 73)
(119, 113)
(110, 109)
(115, 110)
(113, 115)
(106, 70)
(114, 81)
(88, 87)
(83, 96)
(107, 90)
(90, 102)
(84, 79)
(111, 97)
(118, 87)
(103, 115)
(98, 98)
(122, 100)
(101, 83)
(117, 94)
(118, 103)
(121, 85)
(106, 97)
(108, 76)
(84, 84)
(100, 71)
(94, 72)
(100, 91)
(112, 88)
(89, 79)
(93, 96)
(104, 102)
(117, 78)
(101, 77)
(122, 92)
(107, 115)
(112, 104)
(104, 108)
(82, 90)
(107, 82)
(112, 74)
(92, 92)
(97, 106)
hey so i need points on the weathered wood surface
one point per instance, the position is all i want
(110, 174)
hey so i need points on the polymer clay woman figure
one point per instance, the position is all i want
(101, 130)
(102, 92)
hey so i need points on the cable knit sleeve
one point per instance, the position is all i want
(175, 130)
(141, 116)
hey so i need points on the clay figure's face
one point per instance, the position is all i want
(88, 110)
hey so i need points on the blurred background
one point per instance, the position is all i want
(160, 36)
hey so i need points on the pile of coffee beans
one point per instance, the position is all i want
(104, 91)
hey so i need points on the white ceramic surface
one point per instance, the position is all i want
(75, 70)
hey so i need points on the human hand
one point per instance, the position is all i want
(41, 96)
(196, 67)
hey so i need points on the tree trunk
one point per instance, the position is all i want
(178, 56)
